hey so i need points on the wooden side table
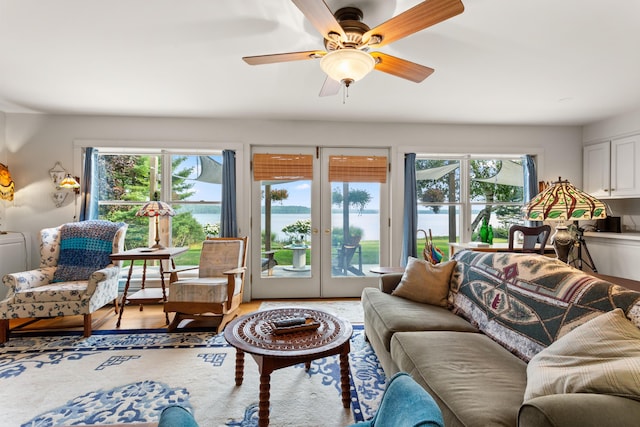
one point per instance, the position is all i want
(146, 296)
(253, 334)
(387, 270)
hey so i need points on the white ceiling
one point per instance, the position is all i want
(499, 62)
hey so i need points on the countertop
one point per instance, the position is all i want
(634, 236)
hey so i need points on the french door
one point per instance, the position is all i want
(325, 212)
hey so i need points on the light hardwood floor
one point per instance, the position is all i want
(151, 316)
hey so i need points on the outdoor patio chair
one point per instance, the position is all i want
(75, 277)
(268, 261)
(344, 259)
(215, 295)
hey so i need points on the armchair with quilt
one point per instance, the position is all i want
(215, 295)
(75, 277)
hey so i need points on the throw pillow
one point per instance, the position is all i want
(599, 356)
(425, 282)
(84, 248)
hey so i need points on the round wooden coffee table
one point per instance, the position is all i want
(253, 334)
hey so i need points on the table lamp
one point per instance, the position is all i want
(156, 208)
(562, 202)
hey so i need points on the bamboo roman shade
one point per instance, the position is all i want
(358, 169)
(282, 167)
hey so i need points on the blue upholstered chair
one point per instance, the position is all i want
(176, 416)
(75, 276)
(405, 404)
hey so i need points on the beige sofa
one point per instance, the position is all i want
(504, 314)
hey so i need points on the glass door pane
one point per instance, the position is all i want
(355, 219)
(284, 261)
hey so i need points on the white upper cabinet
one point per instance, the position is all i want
(625, 161)
(610, 168)
(596, 172)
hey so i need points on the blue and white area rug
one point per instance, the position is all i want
(124, 377)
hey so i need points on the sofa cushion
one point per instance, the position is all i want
(600, 356)
(526, 302)
(425, 282)
(475, 381)
(84, 248)
(386, 314)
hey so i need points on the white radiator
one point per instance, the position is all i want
(15, 255)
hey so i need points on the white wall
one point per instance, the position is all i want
(35, 142)
(614, 127)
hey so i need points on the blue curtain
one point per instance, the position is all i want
(530, 183)
(530, 178)
(228, 220)
(410, 215)
(89, 184)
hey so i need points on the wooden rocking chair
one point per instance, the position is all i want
(215, 295)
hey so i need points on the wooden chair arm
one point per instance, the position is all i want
(238, 270)
(173, 272)
(179, 270)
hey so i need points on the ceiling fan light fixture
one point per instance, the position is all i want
(348, 65)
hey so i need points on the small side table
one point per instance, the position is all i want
(387, 270)
(299, 261)
(146, 296)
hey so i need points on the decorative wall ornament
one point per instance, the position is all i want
(57, 174)
(64, 184)
(59, 197)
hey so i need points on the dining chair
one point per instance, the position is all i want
(531, 236)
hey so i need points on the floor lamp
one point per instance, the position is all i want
(562, 202)
(156, 208)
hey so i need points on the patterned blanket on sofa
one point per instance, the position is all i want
(526, 302)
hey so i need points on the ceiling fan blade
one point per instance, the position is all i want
(283, 57)
(330, 87)
(321, 17)
(401, 67)
(417, 18)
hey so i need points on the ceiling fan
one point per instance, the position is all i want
(347, 41)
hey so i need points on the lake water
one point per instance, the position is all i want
(368, 222)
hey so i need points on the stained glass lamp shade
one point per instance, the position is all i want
(563, 202)
(7, 186)
(156, 209)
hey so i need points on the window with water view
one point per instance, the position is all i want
(455, 196)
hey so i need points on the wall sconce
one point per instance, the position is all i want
(63, 181)
(71, 183)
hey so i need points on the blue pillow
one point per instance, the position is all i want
(84, 248)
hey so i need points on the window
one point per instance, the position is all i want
(455, 195)
(190, 183)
